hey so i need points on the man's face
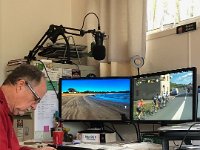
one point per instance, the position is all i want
(28, 96)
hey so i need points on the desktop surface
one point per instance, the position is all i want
(111, 146)
(68, 147)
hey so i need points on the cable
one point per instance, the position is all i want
(49, 79)
(99, 28)
(153, 127)
(137, 132)
(187, 134)
(68, 37)
(122, 139)
(75, 48)
(76, 65)
(175, 143)
(114, 130)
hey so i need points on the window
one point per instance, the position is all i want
(168, 13)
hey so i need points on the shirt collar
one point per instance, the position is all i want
(3, 102)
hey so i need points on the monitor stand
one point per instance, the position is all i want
(96, 127)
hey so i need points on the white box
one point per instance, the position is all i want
(97, 137)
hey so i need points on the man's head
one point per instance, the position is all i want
(23, 88)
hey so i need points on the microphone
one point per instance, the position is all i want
(97, 47)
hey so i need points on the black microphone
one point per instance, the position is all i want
(98, 49)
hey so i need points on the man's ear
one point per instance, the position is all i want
(19, 85)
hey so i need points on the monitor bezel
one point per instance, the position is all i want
(94, 121)
(194, 97)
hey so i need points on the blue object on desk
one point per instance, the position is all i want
(76, 142)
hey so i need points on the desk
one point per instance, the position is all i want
(113, 146)
(177, 135)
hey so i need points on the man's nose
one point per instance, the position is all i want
(33, 106)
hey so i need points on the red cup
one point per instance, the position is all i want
(58, 137)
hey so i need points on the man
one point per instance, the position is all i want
(140, 107)
(21, 91)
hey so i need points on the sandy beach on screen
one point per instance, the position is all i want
(86, 107)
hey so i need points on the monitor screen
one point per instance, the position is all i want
(95, 99)
(165, 97)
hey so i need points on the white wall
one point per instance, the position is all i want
(24, 22)
(167, 50)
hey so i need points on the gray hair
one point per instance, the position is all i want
(26, 72)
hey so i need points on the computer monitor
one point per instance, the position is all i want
(165, 97)
(96, 99)
(198, 103)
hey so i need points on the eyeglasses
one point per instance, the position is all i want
(37, 98)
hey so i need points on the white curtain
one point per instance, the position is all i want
(124, 21)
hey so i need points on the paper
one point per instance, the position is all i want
(45, 111)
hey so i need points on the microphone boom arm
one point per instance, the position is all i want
(52, 33)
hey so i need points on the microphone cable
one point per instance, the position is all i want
(99, 28)
(98, 50)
